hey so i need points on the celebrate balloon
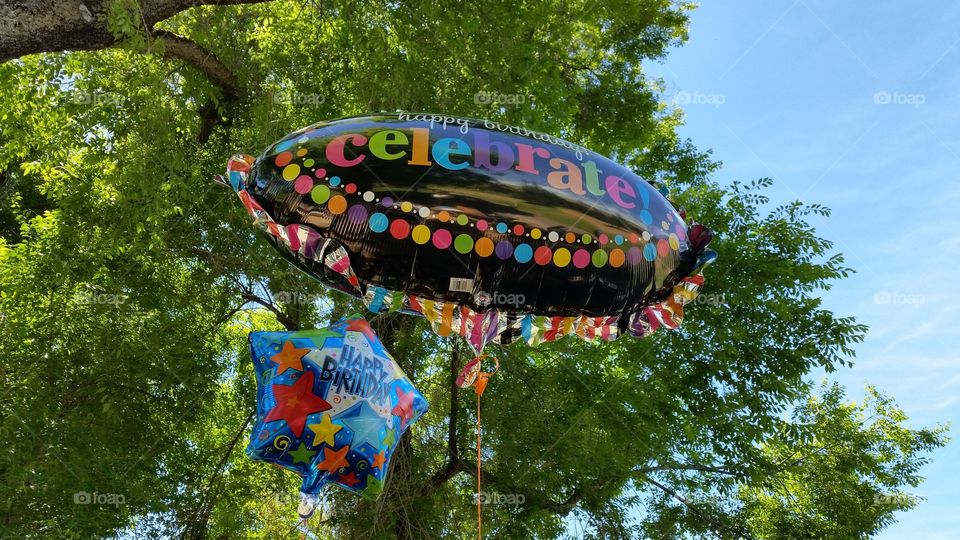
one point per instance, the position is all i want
(490, 231)
(331, 405)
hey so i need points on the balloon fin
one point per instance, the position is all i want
(669, 313)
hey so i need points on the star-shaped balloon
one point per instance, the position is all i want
(331, 406)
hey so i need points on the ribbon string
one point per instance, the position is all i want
(473, 375)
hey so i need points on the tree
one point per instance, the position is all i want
(834, 471)
(128, 282)
(838, 469)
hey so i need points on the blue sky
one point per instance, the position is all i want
(854, 107)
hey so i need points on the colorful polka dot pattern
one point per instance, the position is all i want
(314, 183)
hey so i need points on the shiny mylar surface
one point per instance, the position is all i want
(477, 213)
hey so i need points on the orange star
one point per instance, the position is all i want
(289, 358)
(379, 460)
(333, 459)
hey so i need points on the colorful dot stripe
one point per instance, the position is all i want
(318, 188)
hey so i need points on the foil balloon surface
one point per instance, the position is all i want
(490, 231)
(331, 406)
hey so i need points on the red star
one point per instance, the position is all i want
(379, 460)
(404, 406)
(289, 358)
(349, 479)
(362, 326)
(295, 402)
(333, 459)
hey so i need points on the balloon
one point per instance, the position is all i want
(331, 405)
(490, 231)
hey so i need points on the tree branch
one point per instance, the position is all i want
(561, 508)
(669, 491)
(36, 26)
(181, 48)
(684, 467)
(453, 454)
(177, 47)
(287, 322)
(139, 391)
(715, 527)
(197, 528)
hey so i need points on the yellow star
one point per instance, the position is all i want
(289, 358)
(324, 431)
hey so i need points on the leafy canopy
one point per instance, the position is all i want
(128, 282)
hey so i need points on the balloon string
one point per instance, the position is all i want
(473, 375)
(479, 514)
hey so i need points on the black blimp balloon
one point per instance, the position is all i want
(490, 231)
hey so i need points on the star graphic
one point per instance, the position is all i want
(295, 402)
(374, 487)
(379, 460)
(333, 459)
(388, 439)
(325, 431)
(362, 326)
(404, 406)
(349, 479)
(365, 424)
(289, 357)
(301, 454)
